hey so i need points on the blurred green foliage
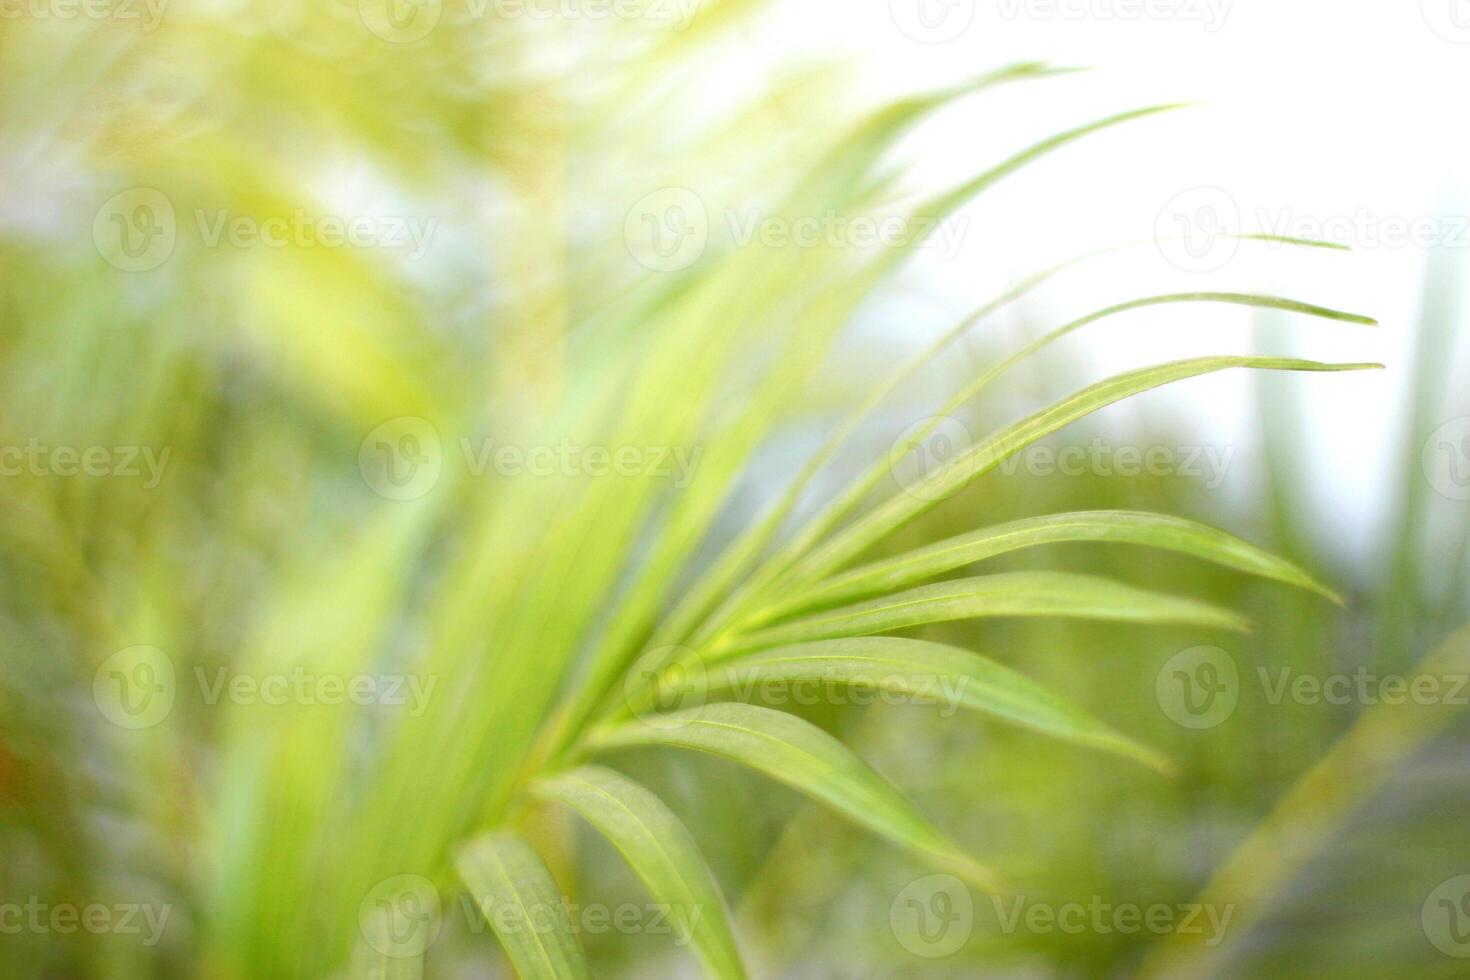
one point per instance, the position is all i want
(250, 252)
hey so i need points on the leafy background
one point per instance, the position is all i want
(533, 318)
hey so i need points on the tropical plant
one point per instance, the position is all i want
(314, 521)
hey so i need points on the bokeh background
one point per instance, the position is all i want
(237, 236)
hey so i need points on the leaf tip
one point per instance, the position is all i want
(1160, 763)
(983, 878)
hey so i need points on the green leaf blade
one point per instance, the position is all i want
(903, 507)
(933, 672)
(1023, 594)
(503, 872)
(660, 850)
(1160, 531)
(807, 759)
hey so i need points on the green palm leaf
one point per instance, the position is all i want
(659, 849)
(1010, 594)
(522, 903)
(903, 507)
(930, 673)
(1113, 527)
(804, 757)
